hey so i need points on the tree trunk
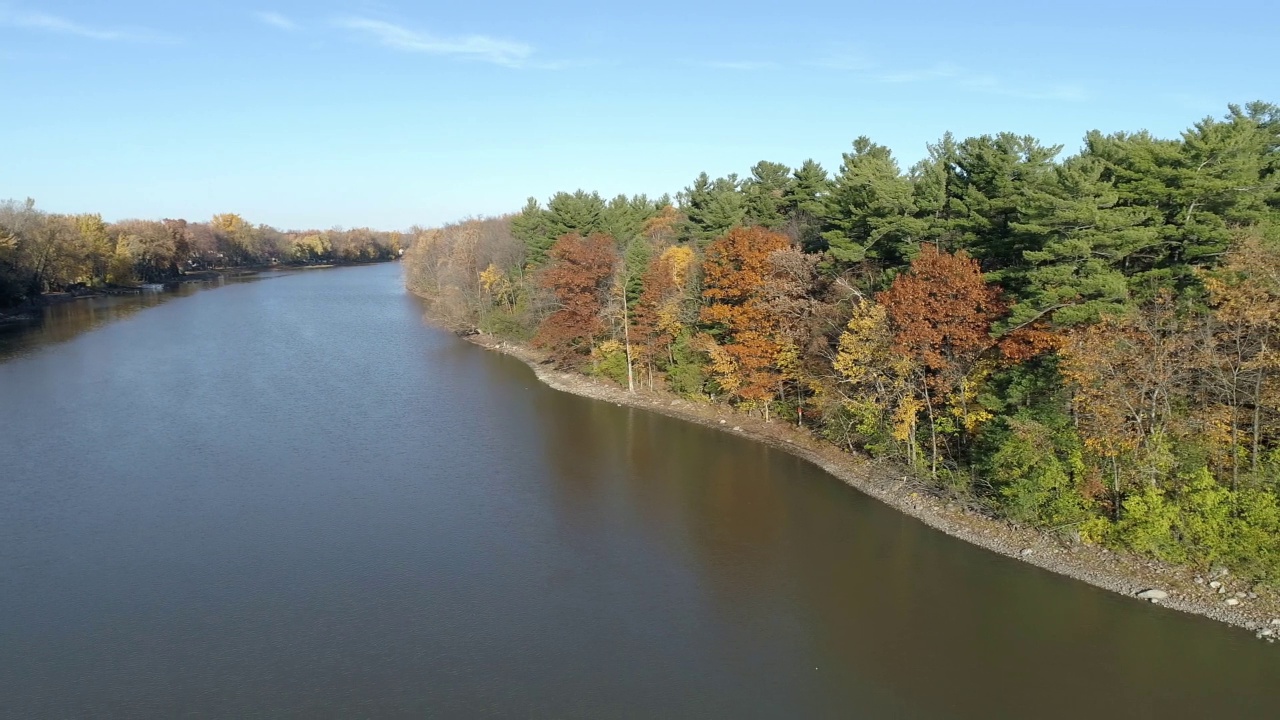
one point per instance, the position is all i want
(933, 434)
(626, 334)
(1257, 417)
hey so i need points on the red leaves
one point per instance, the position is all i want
(1026, 343)
(941, 311)
(579, 274)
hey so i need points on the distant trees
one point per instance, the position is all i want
(472, 274)
(42, 252)
(1086, 344)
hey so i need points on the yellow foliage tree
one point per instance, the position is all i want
(877, 381)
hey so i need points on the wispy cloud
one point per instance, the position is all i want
(1064, 92)
(45, 22)
(843, 58)
(956, 76)
(941, 71)
(863, 65)
(276, 20)
(481, 48)
(741, 65)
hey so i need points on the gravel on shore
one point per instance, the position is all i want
(1214, 594)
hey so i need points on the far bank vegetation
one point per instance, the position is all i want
(43, 252)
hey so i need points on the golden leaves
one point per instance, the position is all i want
(677, 260)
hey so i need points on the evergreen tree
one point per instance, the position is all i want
(803, 203)
(764, 194)
(933, 184)
(624, 218)
(870, 211)
(577, 212)
(712, 207)
(532, 228)
(635, 261)
(993, 175)
(1087, 238)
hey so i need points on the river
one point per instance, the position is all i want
(292, 497)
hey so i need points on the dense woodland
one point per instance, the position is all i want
(44, 252)
(1088, 344)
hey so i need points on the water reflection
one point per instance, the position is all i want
(293, 499)
(62, 321)
(827, 600)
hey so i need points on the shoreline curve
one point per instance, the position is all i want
(1187, 590)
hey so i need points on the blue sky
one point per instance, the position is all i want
(314, 114)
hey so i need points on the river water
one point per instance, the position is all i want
(291, 497)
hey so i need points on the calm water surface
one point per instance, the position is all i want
(291, 497)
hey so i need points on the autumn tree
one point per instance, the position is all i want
(470, 274)
(941, 312)
(743, 342)
(1237, 354)
(875, 383)
(579, 276)
(661, 313)
(661, 228)
(1129, 374)
(790, 297)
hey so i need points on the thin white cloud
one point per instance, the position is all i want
(960, 77)
(276, 20)
(741, 65)
(1066, 93)
(44, 22)
(941, 71)
(475, 47)
(863, 65)
(843, 57)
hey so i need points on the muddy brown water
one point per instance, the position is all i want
(291, 497)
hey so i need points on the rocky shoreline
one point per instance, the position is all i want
(1217, 595)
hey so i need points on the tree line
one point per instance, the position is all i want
(47, 252)
(1086, 344)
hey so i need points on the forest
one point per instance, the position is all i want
(1088, 344)
(44, 252)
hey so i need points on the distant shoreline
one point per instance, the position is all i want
(1121, 573)
(23, 311)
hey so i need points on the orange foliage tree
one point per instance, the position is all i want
(941, 311)
(743, 345)
(578, 275)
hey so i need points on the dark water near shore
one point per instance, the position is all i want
(290, 497)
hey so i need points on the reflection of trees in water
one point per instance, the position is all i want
(63, 321)
(584, 451)
(787, 570)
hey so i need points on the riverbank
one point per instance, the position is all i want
(24, 311)
(1221, 597)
